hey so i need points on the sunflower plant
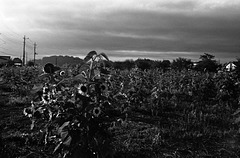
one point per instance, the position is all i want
(76, 119)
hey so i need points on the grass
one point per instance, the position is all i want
(132, 138)
(139, 135)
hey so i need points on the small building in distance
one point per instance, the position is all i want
(4, 60)
(230, 66)
(17, 62)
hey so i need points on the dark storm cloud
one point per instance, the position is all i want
(151, 31)
(136, 28)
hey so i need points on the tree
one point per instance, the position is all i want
(123, 65)
(237, 63)
(144, 64)
(166, 65)
(207, 63)
(181, 64)
(207, 56)
(157, 64)
(30, 63)
(129, 64)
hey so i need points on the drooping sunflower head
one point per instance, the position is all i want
(62, 73)
(96, 111)
(104, 87)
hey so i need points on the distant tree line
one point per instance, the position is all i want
(59, 60)
(177, 64)
(143, 64)
(207, 63)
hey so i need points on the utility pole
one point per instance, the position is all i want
(24, 49)
(26, 57)
(34, 52)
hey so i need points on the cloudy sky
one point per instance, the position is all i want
(123, 29)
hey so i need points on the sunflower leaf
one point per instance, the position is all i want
(36, 88)
(237, 120)
(104, 55)
(57, 147)
(89, 56)
(63, 131)
(236, 112)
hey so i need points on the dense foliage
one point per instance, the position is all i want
(19, 79)
(78, 116)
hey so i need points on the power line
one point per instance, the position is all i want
(8, 28)
(29, 46)
(4, 42)
(11, 40)
(30, 40)
(7, 53)
(30, 43)
(9, 37)
(16, 40)
(4, 48)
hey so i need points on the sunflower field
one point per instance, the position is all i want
(95, 111)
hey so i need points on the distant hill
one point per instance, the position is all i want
(59, 60)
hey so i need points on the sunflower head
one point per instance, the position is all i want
(96, 111)
(28, 112)
(104, 87)
(82, 89)
(62, 73)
